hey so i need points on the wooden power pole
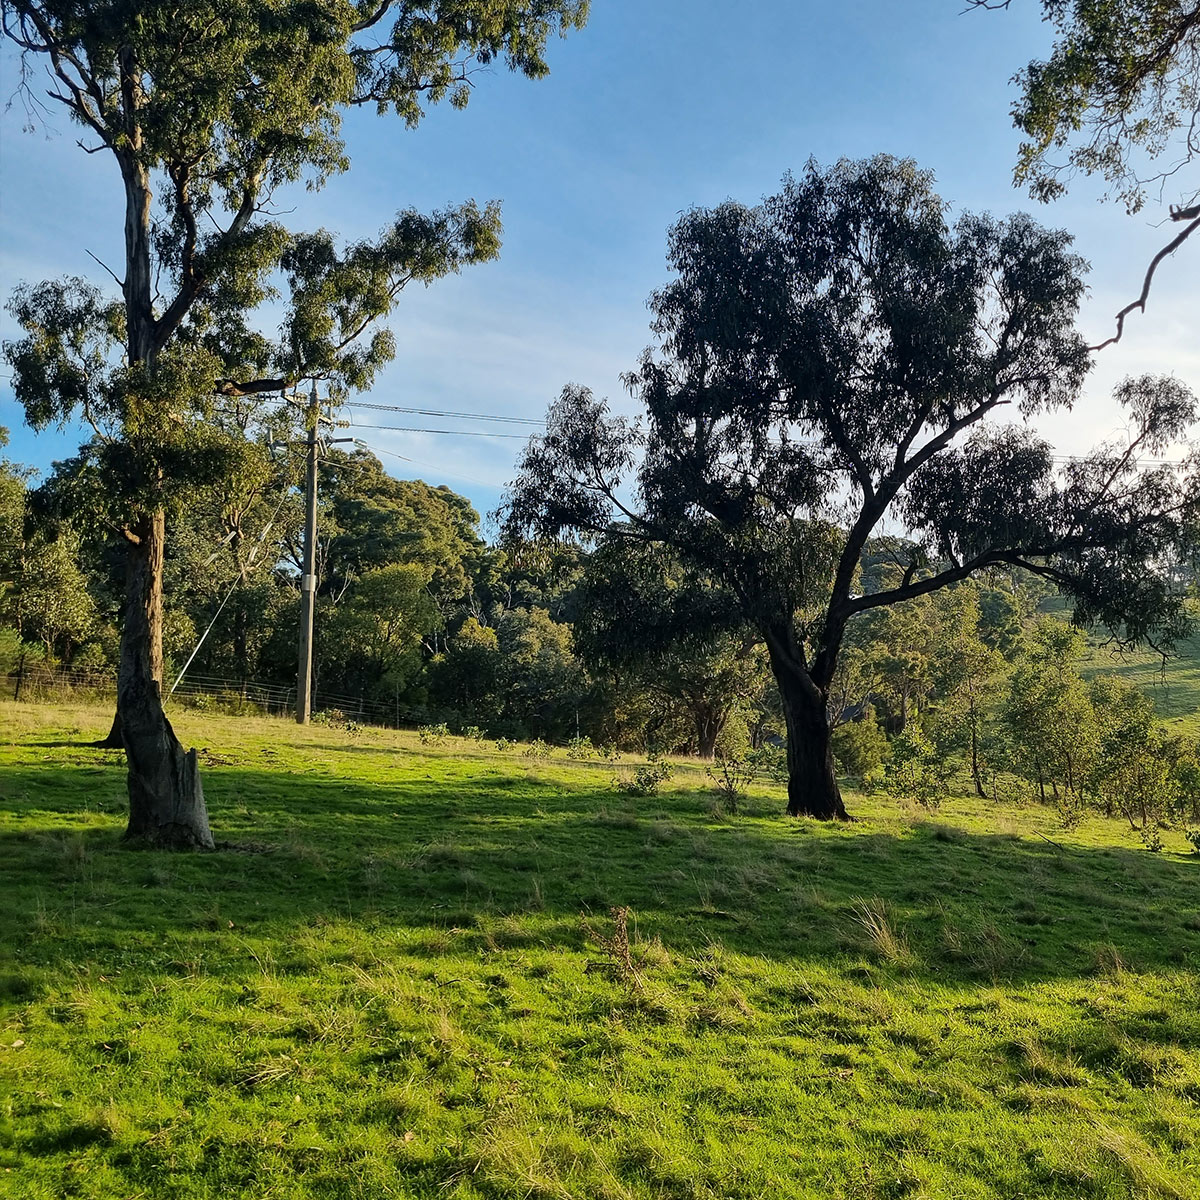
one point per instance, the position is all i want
(308, 580)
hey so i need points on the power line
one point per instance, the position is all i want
(443, 412)
(416, 462)
(520, 437)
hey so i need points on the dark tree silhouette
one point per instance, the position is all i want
(836, 357)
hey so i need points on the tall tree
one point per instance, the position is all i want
(208, 111)
(838, 354)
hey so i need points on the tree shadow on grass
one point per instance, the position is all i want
(519, 859)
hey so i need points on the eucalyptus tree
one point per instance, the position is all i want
(1118, 97)
(671, 632)
(836, 357)
(208, 112)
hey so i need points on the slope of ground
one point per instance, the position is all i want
(404, 975)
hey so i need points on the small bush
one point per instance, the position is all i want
(474, 733)
(503, 745)
(538, 748)
(860, 746)
(609, 753)
(731, 777)
(433, 735)
(1193, 837)
(580, 748)
(645, 780)
(915, 773)
(334, 718)
(1151, 838)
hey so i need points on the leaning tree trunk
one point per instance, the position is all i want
(812, 781)
(166, 801)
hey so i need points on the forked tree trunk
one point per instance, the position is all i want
(709, 724)
(812, 780)
(166, 800)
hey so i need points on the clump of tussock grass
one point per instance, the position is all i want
(1110, 962)
(1038, 1064)
(616, 819)
(267, 1072)
(871, 919)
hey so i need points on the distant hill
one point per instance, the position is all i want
(1173, 685)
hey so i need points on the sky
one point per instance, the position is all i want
(655, 107)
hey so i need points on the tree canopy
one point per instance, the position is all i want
(1118, 97)
(842, 354)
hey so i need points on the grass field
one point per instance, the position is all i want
(1173, 685)
(400, 976)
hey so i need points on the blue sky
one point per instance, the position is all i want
(653, 108)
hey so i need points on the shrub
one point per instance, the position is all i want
(538, 748)
(474, 733)
(580, 748)
(915, 772)
(860, 746)
(730, 777)
(503, 745)
(433, 735)
(646, 780)
(1193, 836)
(609, 753)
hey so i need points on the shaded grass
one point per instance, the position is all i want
(394, 979)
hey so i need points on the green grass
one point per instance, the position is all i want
(400, 977)
(1173, 685)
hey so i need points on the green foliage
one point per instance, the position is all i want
(730, 778)
(916, 772)
(1117, 93)
(537, 749)
(646, 780)
(433, 735)
(860, 746)
(399, 939)
(580, 748)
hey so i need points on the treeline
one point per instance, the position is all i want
(420, 620)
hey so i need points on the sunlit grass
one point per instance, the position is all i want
(399, 976)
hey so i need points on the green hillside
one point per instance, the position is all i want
(405, 973)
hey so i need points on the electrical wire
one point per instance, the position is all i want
(441, 412)
(520, 437)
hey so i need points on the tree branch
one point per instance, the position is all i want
(1169, 248)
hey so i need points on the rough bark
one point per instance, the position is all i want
(812, 779)
(115, 739)
(166, 800)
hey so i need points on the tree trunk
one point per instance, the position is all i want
(976, 775)
(709, 725)
(115, 740)
(812, 781)
(166, 801)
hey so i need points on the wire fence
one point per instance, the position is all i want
(33, 682)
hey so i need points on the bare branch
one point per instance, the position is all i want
(1169, 248)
